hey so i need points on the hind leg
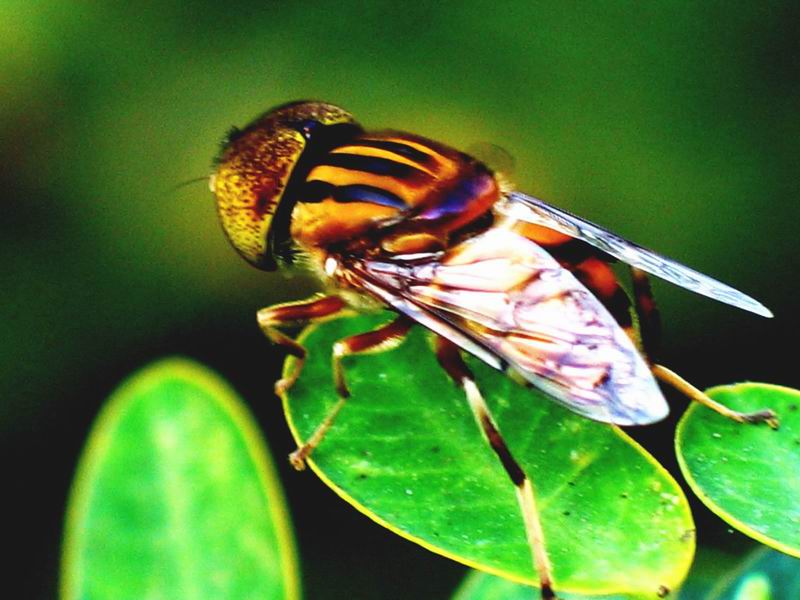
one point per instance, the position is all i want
(650, 325)
(599, 278)
(767, 416)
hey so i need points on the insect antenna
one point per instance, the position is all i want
(188, 182)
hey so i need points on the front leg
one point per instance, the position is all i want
(384, 338)
(296, 313)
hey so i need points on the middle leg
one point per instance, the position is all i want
(451, 360)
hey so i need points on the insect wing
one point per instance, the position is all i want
(503, 298)
(526, 208)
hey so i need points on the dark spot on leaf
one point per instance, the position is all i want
(687, 535)
(436, 449)
(571, 483)
(663, 591)
(362, 476)
(566, 513)
(797, 441)
(793, 407)
(624, 495)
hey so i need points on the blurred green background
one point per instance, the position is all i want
(676, 124)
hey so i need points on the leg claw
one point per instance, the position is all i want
(762, 416)
(282, 385)
(547, 593)
(298, 458)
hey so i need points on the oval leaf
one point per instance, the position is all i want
(406, 452)
(711, 565)
(764, 574)
(175, 497)
(746, 474)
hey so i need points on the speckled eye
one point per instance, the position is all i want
(254, 174)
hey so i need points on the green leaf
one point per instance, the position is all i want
(482, 586)
(175, 497)
(764, 575)
(710, 566)
(406, 452)
(755, 586)
(715, 575)
(747, 474)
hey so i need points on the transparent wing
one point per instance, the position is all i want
(503, 298)
(526, 208)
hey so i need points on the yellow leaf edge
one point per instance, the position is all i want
(698, 490)
(674, 579)
(100, 437)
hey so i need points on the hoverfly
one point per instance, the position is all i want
(392, 219)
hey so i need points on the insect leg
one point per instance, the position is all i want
(650, 328)
(647, 311)
(385, 337)
(590, 266)
(596, 274)
(451, 360)
(294, 313)
(762, 416)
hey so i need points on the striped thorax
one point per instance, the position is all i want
(305, 177)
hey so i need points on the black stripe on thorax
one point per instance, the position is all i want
(317, 191)
(398, 148)
(371, 164)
